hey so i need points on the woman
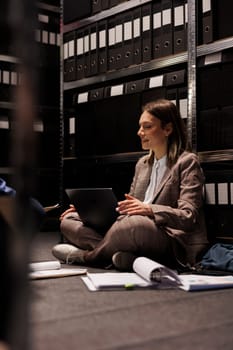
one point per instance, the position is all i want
(162, 216)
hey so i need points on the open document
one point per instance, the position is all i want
(150, 274)
(52, 269)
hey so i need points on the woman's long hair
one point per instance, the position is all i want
(167, 112)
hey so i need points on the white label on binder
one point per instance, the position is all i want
(93, 41)
(111, 36)
(71, 125)
(179, 16)
(213, 58)
(71, 48)
(52, 38)
(119, 33)
(156, 81)
(222, 193)
(117, 90)
(183, 104)
(145, 23)
(4, 123)
(157, 20)
(13, 78)
(45, 37)
(231, 190)
(80, 46)
(38, 126)
(166, 17)
(43, 18)
(83, 97)
(86, 43)
(136, 28)
(186, 13)
(102, 38)
(65, 48)
(6, 77)
(210, 193)
(206, 6)
(128, 32)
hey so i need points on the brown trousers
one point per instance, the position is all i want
(135, 234)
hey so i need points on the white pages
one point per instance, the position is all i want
(52, 269)
(150, 274)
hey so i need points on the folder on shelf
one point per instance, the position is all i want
(167, 28)
(157, 29)
(146, 27)
(96, 94)
(102, 46)
(5, 136)
(111, 43)
(137, 42)
(207, 21)
(132, 87)
(69, 136)
(175, 78)
(87, 56)
(80, 54)
(128, 39)
(69, 56)
(93, 50)
(180, 26)
(96, 6)
(118, 48)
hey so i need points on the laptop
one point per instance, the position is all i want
(95, 206)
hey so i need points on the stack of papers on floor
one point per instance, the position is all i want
(52, 269)
(150, 274)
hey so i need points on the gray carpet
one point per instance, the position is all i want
(65, 315)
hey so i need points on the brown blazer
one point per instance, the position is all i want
(177, 204)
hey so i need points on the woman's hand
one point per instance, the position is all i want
(133, 206)
(70, 210)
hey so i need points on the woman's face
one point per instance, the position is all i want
(152, 135)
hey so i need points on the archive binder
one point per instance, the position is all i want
(111, 43)
(102, 46)
(127, 50)
(87, 56)
(137, 43)
(207, 21)
(93, 50)
(175, 78)
(69, 56)
(135, 86)
(167, 28)
(180, 26)
(118, 47)
(157, 29)
(80, 54)
(146, 32)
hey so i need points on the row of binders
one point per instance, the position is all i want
(146, 32)
(154, 30)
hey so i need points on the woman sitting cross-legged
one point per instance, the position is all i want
(162, 216)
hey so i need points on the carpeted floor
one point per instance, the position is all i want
(65, 315)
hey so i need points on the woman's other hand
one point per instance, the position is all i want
(133, 206)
